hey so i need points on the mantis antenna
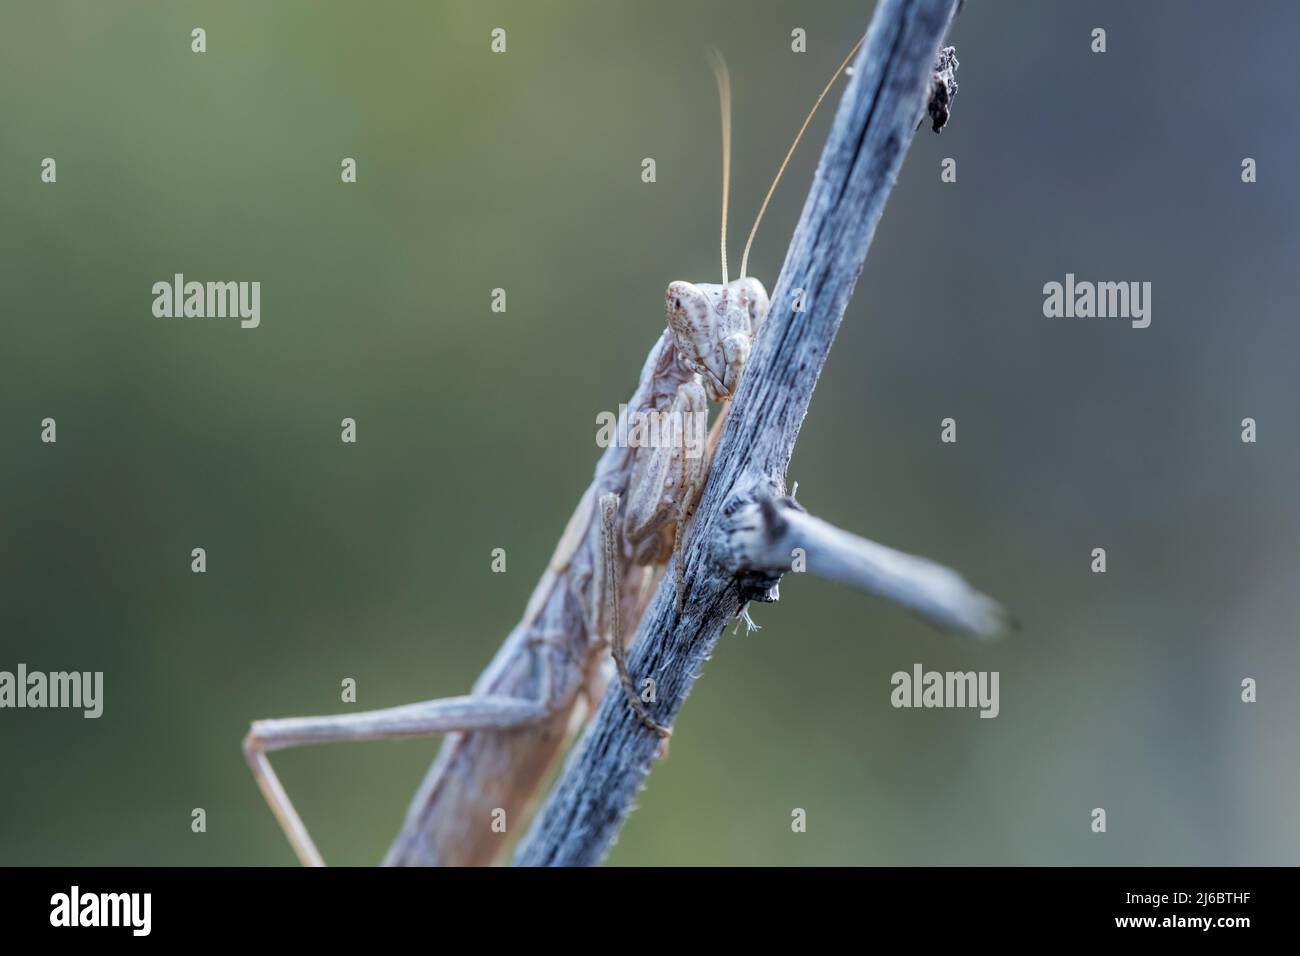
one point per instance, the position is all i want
(724, 102)
(744, 259)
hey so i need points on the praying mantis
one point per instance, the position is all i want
(503, 738)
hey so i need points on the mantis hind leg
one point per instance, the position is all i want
(448, 715)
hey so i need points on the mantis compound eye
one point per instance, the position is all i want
(688, 312)
(755, 299)
(685, 303)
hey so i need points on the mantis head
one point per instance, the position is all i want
(713, 326)
(713, 329)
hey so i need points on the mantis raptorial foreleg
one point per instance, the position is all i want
(447, 715)
(666, 481)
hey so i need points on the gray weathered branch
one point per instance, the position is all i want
(887, 93)
(762, 537)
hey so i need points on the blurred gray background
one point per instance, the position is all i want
(476, 429)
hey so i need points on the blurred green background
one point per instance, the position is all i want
(476, 429)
